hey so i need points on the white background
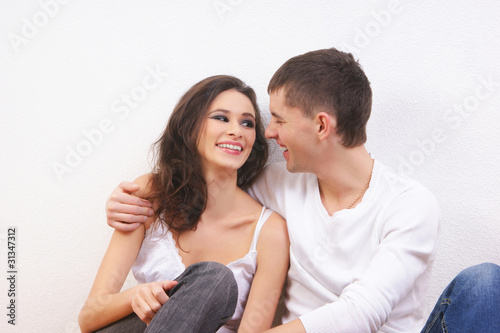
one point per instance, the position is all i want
(65, 68)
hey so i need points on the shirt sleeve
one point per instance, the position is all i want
(268, 187)
(408, 230)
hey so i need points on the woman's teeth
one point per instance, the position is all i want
(227, 146)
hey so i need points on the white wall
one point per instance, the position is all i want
(66, 66)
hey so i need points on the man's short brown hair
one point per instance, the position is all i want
(328, 80)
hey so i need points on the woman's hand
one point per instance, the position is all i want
(149, 297)
(125, 211)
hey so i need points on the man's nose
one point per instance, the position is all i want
(270, 132)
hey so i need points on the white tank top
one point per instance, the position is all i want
(159, 260)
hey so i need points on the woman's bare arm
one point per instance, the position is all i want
(105, 303)
(272, 267)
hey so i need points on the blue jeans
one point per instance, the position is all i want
(203, 300)
(470, 303)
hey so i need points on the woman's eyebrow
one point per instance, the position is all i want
(246, 114)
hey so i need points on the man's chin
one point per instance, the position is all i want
(291, 167)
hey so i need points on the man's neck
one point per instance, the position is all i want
(343, 178)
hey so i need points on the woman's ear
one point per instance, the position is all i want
(325, 124)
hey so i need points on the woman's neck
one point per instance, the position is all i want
(223, 194)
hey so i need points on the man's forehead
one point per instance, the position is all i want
(279, 107)
(276, 101)
(275, 111)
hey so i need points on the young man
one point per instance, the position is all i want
(362, 238)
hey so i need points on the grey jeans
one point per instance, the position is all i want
(203, 300)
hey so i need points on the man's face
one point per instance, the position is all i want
(293, 132)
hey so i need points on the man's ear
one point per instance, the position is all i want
(325, 125)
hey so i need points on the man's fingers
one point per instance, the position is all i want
(124, 226)
(125, 211)
(127, 218)
(129, 199)
(121, 208)
(129, 186)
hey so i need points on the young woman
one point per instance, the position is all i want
(212, 148)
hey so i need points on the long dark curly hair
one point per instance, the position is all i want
(178, 187)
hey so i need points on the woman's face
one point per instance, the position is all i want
(228, 132)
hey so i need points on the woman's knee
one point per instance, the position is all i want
(212, 272)
(205, 296)
(217, 280)
(205, 278)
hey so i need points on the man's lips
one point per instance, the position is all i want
(283, 148)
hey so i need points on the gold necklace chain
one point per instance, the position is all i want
(362, 191)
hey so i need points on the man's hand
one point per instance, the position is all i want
(124, 211)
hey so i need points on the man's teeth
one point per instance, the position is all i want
(283, 148)
(227, 146)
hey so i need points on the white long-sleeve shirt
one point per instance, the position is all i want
(364, 269)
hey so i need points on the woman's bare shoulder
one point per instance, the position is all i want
(144, 192)
(144, 183)
(275, 231)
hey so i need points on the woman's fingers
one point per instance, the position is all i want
(149, 299)
(141, 309)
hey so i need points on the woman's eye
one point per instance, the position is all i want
(248, 123)
(221, 118)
